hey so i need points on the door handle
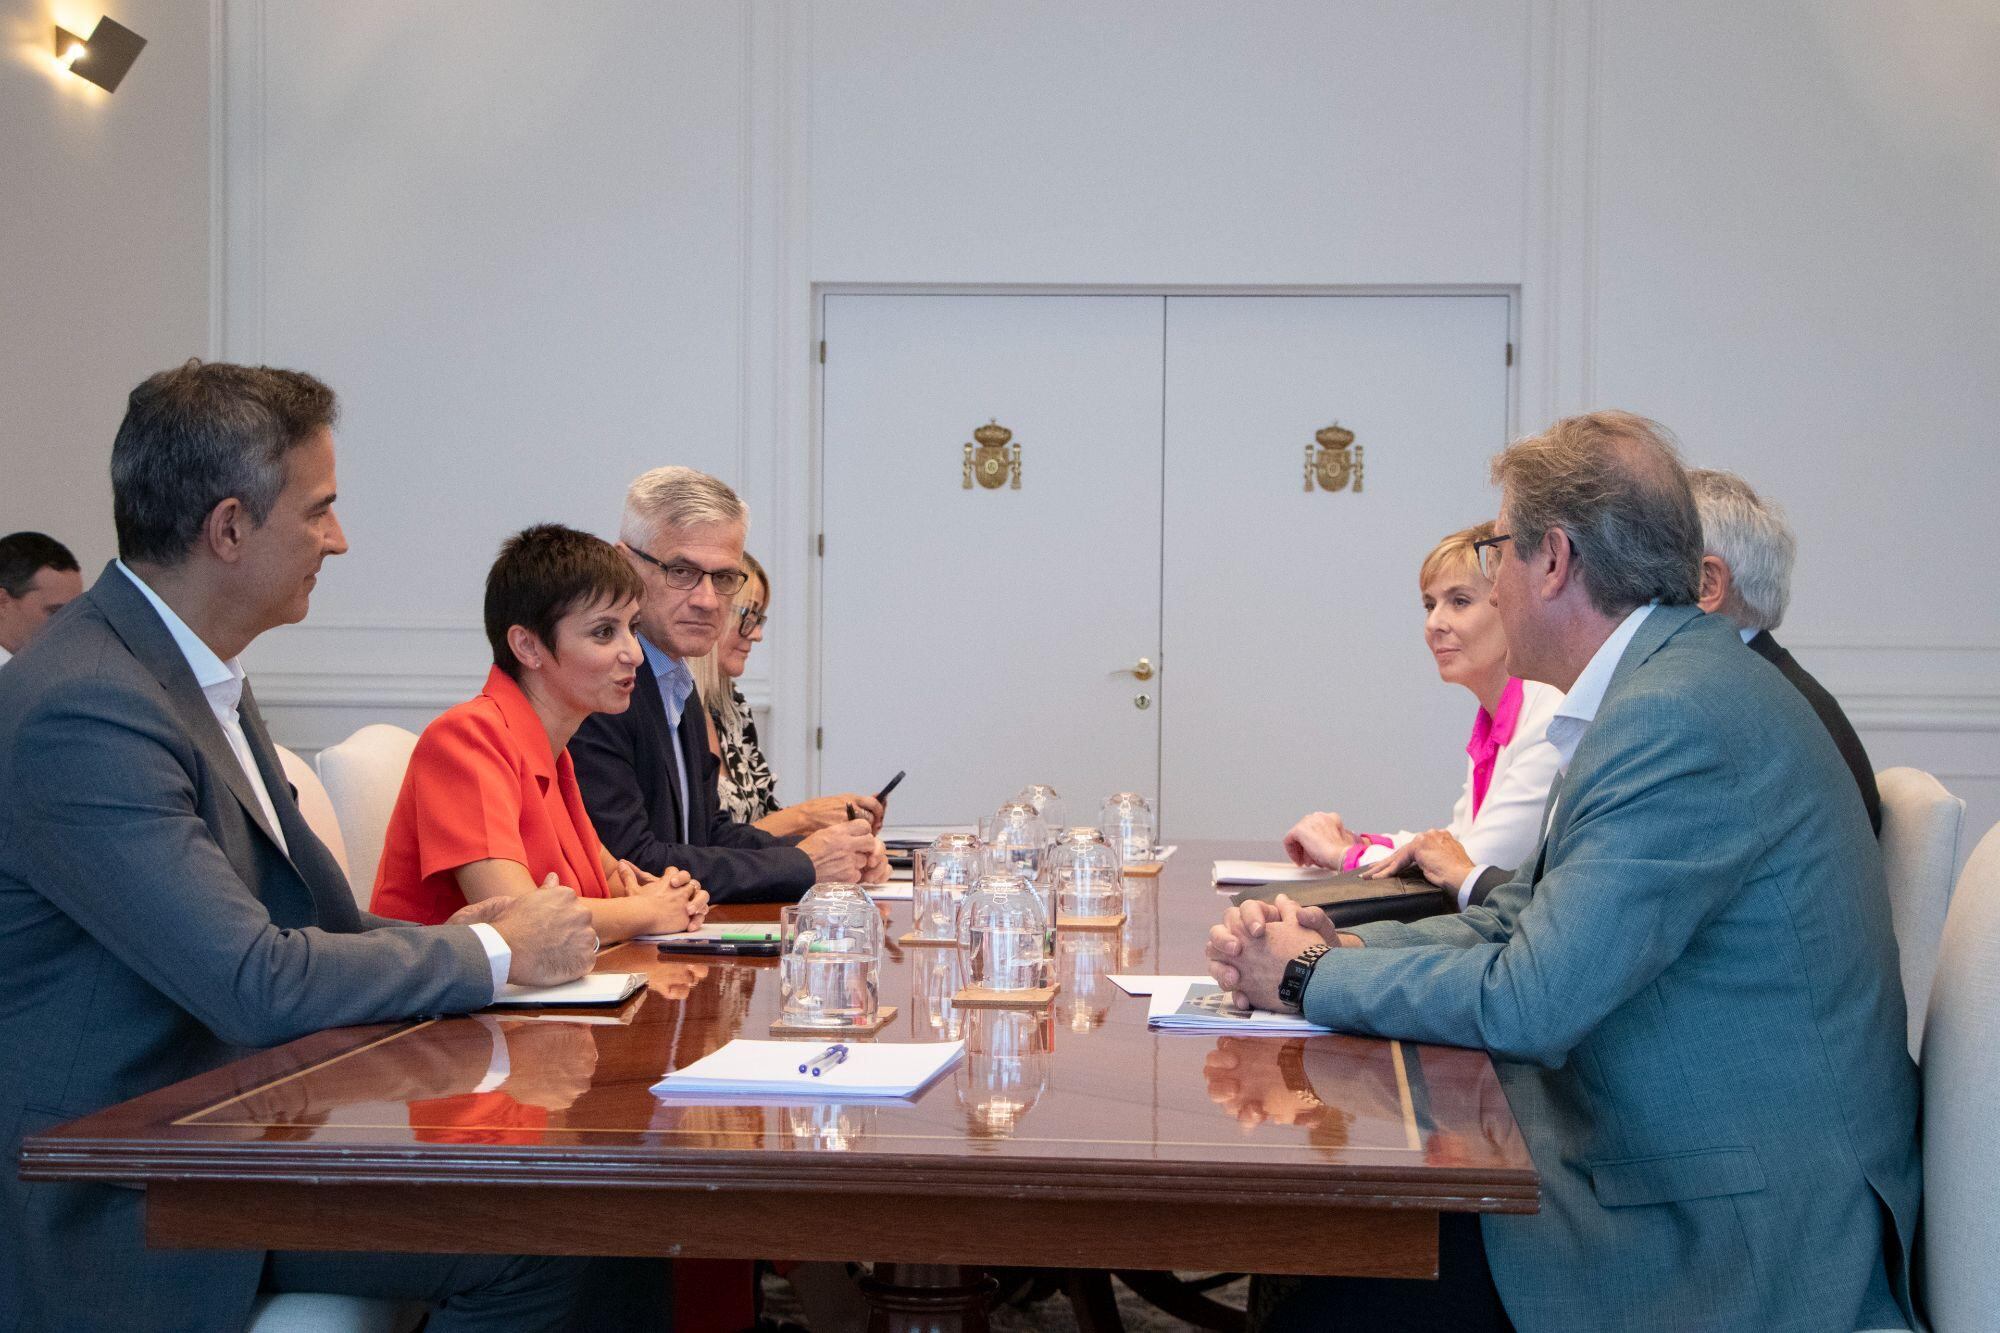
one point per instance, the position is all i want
(1142, 671)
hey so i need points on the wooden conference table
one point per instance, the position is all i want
(1071, 1137)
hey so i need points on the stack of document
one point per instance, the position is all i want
(769, 1071)
(1188, 1005)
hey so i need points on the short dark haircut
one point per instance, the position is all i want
(199, 434)
(26, 554)
(542, 574)
(1613, 482)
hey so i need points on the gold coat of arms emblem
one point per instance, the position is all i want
(1331, 464)
(990, 461)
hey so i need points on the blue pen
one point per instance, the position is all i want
(824, 1061)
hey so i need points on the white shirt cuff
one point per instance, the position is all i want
(1465, 886)
(1376, 852)
(498, 956)
(498, 1068)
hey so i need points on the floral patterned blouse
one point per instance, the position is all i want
(743, 784)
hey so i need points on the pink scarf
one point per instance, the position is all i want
(1491, 731)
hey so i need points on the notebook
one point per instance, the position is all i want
(597, 988)
(769, 1070)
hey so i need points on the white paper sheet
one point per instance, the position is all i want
(1134, 984)
(769, 1070)
(1240, 873)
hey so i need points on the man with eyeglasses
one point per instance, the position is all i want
(647, 776)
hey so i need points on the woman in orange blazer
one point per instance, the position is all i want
(489, 804)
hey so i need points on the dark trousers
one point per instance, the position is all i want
(1462, 1299)
(475, 1293)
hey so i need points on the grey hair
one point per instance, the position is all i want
(1753, 539)
(1613, 482)
(676, 497)
(202, 433)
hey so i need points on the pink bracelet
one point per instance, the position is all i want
(1359, 848)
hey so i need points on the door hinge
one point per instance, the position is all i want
(822, 351)
(1510, 354)
(822, 543)
(819, 738)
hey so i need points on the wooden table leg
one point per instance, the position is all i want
(927, 1298)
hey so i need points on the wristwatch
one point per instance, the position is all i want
(1292, 986)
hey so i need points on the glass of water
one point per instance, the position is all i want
(1005, 934)
(940, 876)
(831, 969)
(1087, 881)
(1127, 824)
(1020, 840)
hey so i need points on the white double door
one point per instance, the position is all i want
(985, 639)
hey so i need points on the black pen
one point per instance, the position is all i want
(824, 1061)
(883, 795)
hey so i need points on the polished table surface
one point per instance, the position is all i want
(1068, 1136)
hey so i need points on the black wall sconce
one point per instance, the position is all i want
(104, 56)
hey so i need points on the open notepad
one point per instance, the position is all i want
(1237, 873)
(769, 1070)
(1187, 1005)
(598, 988)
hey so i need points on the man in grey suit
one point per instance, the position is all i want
(1691, 993)
(162, 903)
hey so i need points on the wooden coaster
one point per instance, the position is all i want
(1145, 869)
(925, 941)
(1090, 922)
(883, 1013)
(978, 997)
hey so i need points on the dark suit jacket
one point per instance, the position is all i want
(1831, 717)
(625, 769)
(150, 929)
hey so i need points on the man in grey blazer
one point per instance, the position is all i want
(1691, 993)
(162, 903)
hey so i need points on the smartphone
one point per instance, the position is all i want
(766, 948)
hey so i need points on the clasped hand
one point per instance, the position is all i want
(1247, 951)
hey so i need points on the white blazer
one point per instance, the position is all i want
(1509, 824)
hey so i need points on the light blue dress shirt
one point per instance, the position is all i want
(676, 684)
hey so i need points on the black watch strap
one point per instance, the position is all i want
(1292, 986)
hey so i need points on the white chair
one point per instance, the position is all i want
(362, 775)
(1961, 1069)
(320, 1312)
(314, 804)
(1920, 827)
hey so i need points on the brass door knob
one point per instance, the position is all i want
(1143, 671)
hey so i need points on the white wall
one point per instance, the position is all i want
(104, 251)
(1796, 267)
(596, 240)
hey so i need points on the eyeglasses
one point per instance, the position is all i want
(1487, 551)
(685, 576)
(749, 619)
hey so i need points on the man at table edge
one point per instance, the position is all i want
(1691, 994)
(163, 904)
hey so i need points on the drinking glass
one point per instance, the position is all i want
(1048, 803)
(830, 970)
(1087, 882)
(940, 874)
(1127, 822)
(1019, 841)
(1005, 934)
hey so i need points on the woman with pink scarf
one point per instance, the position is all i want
(1509, 761)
